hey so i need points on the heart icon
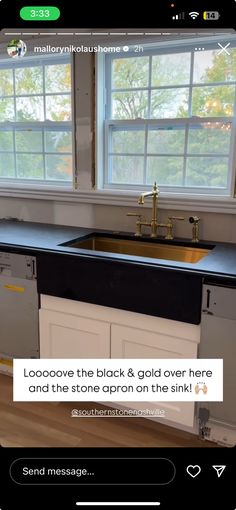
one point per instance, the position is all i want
(193, 471)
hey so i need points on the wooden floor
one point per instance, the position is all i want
(50, 424)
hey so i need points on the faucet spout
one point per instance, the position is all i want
(154, 195)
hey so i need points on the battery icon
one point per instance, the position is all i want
(211, 15)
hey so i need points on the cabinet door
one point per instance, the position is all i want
(129, 342)
(69, 336)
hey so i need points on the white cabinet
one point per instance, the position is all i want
(72, 329)
(64, 335)
(127, 342)
(133, 342)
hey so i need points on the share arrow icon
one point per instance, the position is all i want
(219, 470)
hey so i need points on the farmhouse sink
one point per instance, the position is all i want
(150, 249)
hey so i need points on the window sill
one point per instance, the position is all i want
(123, 198)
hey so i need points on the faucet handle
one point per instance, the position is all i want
(138, 232)
(134, 214)
(139, 216)
(169, 234)
(176, 218)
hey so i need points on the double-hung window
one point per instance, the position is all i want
(36, 121)
(170, 118)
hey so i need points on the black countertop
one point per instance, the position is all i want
(36, 238)
(158, 287)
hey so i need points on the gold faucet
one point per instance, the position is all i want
(153, 223)
(154, 194)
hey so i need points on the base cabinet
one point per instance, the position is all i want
(69, 336)
(71, 329)
(133, 342)
(137, 343)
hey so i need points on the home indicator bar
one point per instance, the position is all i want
(118, 503)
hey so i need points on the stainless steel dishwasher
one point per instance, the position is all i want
(218, 340)
(19, 323)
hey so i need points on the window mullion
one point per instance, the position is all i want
(232, 154)
(108, 162)
(149, 116)
(14, 131)
(108, 91)
(190, 115)
(171, 122)
(45, 119)
(185, 153)
(191, 85)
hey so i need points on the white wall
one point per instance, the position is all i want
(213, 226)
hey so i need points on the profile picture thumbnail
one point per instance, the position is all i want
(16, 48)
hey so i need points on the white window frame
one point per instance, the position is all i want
(14, 126)
(104, 124)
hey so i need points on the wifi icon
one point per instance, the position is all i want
(194, 14)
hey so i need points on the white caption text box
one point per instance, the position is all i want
(93, 380)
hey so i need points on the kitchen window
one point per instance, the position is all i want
(36, 121)
(170, 118)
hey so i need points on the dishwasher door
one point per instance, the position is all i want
(218, 340)
(19, 323)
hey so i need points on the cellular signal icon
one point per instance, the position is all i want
(181, 15)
